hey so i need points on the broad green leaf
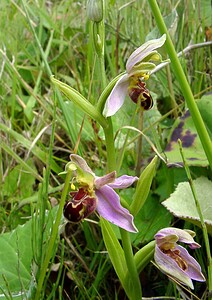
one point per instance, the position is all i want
(181, 202)
(184, 130)
(205, 11)
(16, 255)
(16, 259)
(143, 187)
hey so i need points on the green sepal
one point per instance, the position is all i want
(143, 187)
(153, 56)
(143, 68)
(80, 101)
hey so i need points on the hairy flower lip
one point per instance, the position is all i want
(173, 259)
(119, 91)
(108, 205)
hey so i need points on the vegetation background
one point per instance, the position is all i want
(38, 132)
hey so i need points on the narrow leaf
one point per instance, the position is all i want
(115, 250)
(143, 187)
(80, 101)
(141, 258)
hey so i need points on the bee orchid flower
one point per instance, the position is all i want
(90, 193)
(138, 68)
(173, 259)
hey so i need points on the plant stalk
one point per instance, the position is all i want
(111, 166)
(204, 228)
(186, 90)
(136, 293)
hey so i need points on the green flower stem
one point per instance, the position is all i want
(109, 139)
(204, 228)
(100, 33)
(127, 247)
(111, 162)
(135, 288)
(108, 130)
(142, 258)
(53, 237)
(186, 91)
(139, 143)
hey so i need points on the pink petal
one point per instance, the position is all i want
(106, 179)
(194, 269)
(109, 208)
(144, 50)
(78, 160)
(123, 182)
(117, 96)
(170, 267)
(183, 236)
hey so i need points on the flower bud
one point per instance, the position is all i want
(95, 10)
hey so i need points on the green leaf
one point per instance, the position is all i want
(205, 107)
(171, 21)
(17, 255)
(143, 187)
(80, 101)
(15, 181)
(141, 258)
(28, 110)
(181, 202)
(115, 251)
(15, 262)
(152, 217)
(184, 130)
(144, 256)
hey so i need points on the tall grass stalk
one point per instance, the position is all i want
(204, 228)
(186, 90)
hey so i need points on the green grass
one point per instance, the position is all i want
(39, 128)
